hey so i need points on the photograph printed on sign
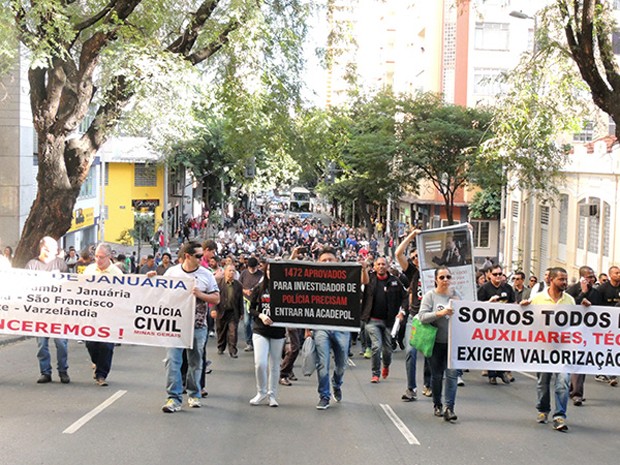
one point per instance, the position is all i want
(451, 246)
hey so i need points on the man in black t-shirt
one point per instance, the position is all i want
(496, 291)
(610, 295)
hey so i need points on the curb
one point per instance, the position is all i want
(9, 339)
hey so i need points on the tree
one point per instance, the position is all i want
(588, 27)
(442, 141)
(114, 54)
(367, 146)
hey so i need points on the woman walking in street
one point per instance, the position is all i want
(436, 309)
(268, 343)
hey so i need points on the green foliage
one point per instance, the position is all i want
(365, 150)
(442, 143)
(544, 100)
(486, 204)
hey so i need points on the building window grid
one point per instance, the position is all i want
(488, 81)
(145, 175)
(492, 36)
(590, 237)
(563, 233)
(87, 191)
(606, 228)
(586, 134)
(594, 227)
(481, 234)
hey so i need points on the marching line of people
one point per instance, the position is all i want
(232, 295)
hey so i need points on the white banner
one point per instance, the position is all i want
(131, 309)
(539, 338)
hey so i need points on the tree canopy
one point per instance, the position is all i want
(121, 56)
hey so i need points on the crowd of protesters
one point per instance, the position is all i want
(237, 259)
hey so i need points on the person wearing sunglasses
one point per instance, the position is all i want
(436, 309)
(495, 290)
(206, 292)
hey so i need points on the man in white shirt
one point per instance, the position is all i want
(206, 292)
(101, 353)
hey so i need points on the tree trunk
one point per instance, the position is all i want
(50, 215)
(364, 215)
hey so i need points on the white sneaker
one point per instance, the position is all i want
(258, 398)
(273, 402)
(171, 406)
(194, 402)
(459, 381)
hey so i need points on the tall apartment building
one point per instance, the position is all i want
(17, 147)
(454, 47)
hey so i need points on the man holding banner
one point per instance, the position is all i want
(328, 340)
(48, 260)
(100, 352)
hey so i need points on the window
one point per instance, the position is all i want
(606, 228)
(586, 134)
(515, 230)
(563, 233)
(615, 41)
(445, 223)
(88, 188)
(106, 173)
(35, 148)
(581, 234)
(145, 175)
(491, 36)
(489, 81)
(594, 214)
(481, 234)
(594, 227)
(88, 119)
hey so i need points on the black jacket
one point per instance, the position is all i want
(395, 294)
(237, 299)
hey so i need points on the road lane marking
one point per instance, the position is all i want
(94, 412)
(411, 439)
(527, 375)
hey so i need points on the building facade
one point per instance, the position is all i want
(581, 226)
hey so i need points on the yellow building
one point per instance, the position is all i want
(134, 185)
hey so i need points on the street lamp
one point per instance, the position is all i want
(530, 207)
(520, 15)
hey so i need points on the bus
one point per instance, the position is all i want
(299, 201)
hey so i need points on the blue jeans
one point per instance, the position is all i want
(247, 322)
(560, 388)
(338, 341)
(45, 359)
(411, 358)
(439, 363)
(174, 360)
(380, 343)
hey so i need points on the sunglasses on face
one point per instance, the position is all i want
(445, 277)
(496, 274)
(198, 256)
